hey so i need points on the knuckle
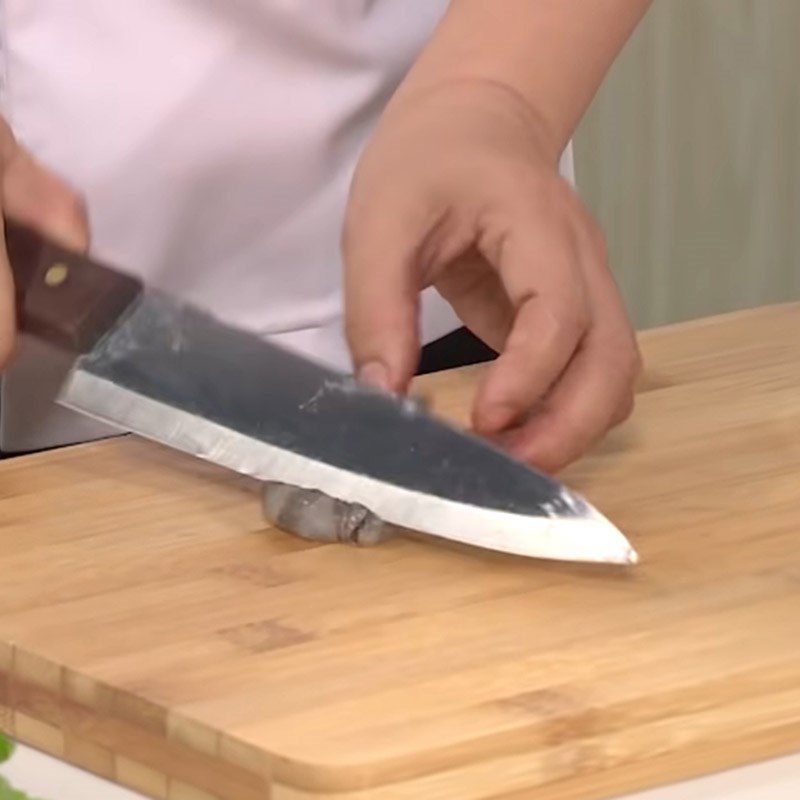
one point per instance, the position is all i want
(550, 327)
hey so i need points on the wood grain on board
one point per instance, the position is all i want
(154, 630)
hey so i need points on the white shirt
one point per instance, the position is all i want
(214, 142)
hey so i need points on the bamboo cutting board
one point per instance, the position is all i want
(155, 631)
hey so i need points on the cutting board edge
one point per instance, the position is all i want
(48, 707)
(676, 767)
(684, 764)
(44, 712)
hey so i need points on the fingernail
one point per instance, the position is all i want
(374, 374)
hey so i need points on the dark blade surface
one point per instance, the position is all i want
(185, 359)
(182, 361)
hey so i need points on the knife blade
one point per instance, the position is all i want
(150, 364)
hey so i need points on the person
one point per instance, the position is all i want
(223, 149)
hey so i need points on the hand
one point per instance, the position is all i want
(459, 189)
(35, 197)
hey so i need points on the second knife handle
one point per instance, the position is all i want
(63, 296)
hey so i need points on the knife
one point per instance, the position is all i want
(153, 365)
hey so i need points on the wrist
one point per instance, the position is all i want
(496, 98)
(552, 53)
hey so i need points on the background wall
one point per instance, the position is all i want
(690, 158)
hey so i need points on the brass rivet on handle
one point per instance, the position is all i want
(56, 275)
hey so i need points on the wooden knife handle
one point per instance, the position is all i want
(63, 296)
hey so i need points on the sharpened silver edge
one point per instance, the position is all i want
(591, 538)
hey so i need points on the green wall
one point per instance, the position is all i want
(690, 158)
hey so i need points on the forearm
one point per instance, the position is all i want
(551, 53)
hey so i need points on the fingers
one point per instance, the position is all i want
(382, 288)
(590, 398)
(35, 197)
(595, 393)
(537, 263)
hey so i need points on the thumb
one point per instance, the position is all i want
(381, 288)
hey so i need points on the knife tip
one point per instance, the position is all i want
(631, 557)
